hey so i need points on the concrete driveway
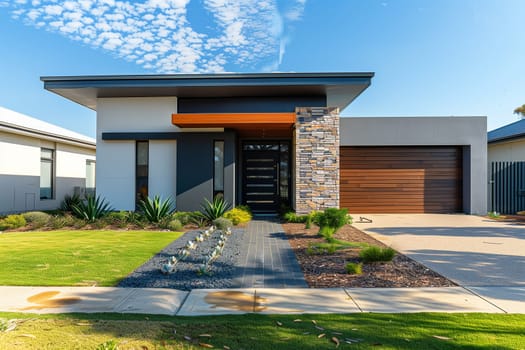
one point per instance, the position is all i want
(472, 251)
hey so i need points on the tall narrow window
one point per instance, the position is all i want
(218, 168)
(141, 171)
(90, 177)
(46, 173)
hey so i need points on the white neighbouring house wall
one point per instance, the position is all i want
(507, 151)
(115, 171)
(21, 140)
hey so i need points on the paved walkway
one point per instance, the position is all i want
(267, 260)
(198, 302)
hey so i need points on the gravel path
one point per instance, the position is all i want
(224, 269)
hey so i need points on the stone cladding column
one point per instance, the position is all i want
(316, 159)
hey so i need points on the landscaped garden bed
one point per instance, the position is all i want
(187, 274)
(328, 269)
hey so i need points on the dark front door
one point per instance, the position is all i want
(261, 180)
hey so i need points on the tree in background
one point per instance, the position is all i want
(520, 111)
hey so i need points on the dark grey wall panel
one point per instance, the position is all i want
(195, 168)
(248, 104)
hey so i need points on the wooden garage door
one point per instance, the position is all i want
(401, 179)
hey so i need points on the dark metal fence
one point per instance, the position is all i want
(508, 187)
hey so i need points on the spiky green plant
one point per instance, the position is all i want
(70, 201)
(215, 209)
(91, 209)
(156, 209)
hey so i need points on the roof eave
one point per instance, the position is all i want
(340, 88)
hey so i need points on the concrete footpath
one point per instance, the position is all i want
(261, 300)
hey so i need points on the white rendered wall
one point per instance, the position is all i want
(71, 161)
(470, 132)
(163, 169)
(507, 151)
(115, 170)
(20, 172)
(19, 155)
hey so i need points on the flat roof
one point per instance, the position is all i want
(340, 88)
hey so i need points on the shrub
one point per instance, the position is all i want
(60, 221)
(183, 216)
(354, 269)
(222, 223)
(294, 218)
(37, 219)
(197, 218)
(244, 208)
(174, 225)
(12, 222)
(330, 221)
(79, 223)
(377, 254)
(156, 209)
(92, 209)
(215, 209)
(136, 218)
(349, 219)
(118, 218)
(70, 201)
(311, 218)
(238, 215)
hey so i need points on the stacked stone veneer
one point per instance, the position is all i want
(316, 159)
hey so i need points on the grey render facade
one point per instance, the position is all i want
(268, 140)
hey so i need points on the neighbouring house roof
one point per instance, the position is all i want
(18, 123)
(507, 132)
(340, 89)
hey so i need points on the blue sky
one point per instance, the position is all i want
(431, 58)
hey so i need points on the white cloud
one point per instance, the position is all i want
(158, 35)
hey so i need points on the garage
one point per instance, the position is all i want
(401, 179)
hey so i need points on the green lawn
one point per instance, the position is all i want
(76, 258)
(254, 332)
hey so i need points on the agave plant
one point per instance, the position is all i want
(69, 201)
(156, 209)
(215, 209)
(92, 209)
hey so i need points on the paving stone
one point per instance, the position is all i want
(393, 300)
(510, 299)
(299, 301)
(218, 302)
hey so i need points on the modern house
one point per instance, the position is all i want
(266, 140)
(40, 163)
(506, 168)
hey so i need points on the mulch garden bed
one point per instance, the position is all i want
(328, 270)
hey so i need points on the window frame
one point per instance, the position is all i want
(48, 160)
(216, 191)
(141, 194)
